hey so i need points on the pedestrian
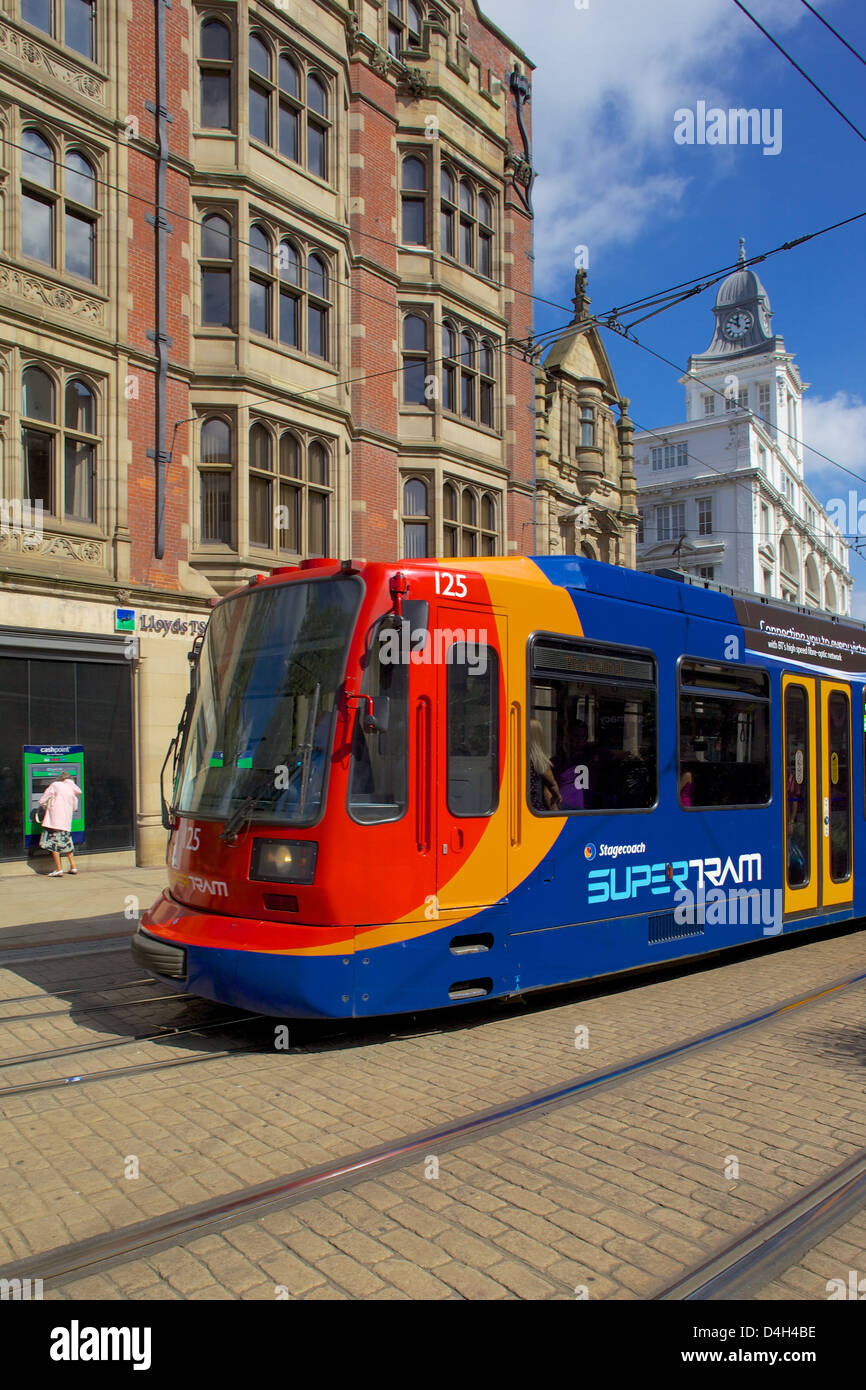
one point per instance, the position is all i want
(543, 787)
(60, 798)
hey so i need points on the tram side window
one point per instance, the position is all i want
(592, 730)
(838, 738)
(379, 779)
(724, 735)
(473, 730)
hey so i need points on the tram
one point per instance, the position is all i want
(401, 787)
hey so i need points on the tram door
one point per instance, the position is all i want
(470, 813)
(817, 801)
(837, 849)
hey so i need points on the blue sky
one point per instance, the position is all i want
(653, 212)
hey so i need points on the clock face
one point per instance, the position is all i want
(738, 324)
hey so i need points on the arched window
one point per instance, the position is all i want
(467, 223)
(290, 294)
(317, 307)
(216, 271)
(448, 213)
(291, 495)
(215, 75)
(413, 196)
(291, 109)
(79, 455)
(38, 394)
(449, 366)
(262, 280)
(405, 18)
(261, 90)
(468, 377)
(261, 486)
(289, 106)
(70, 22)
(489, 526)
(318, 501)
(317, 127)
(80, 179)
(59, 450)
(39, 445)
(487, 384)
(470, 520)
(416, 519)
(38, 206)
(416, 365)
(215, 481)
(467, 226)
(485, 235)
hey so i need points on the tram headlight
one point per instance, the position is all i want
(284, 861)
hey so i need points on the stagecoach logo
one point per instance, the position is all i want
(589, 851)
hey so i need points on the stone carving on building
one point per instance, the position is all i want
(34, 288)
(61, 72)
(516, 166)
(353, 33)
(413, 83)
(23, 541)
(381, 62)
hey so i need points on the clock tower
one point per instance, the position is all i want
(747, 367)
(722, 495)
(743, 314)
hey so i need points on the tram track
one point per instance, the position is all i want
(750, 1262)
(165, 1033)
(108, 1006)
(43, 996)
(251, 1202)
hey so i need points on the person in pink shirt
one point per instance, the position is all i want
(60, 798)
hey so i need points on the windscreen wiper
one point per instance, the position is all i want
(244, 813)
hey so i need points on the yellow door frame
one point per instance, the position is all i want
(835, 893)
(804, 897)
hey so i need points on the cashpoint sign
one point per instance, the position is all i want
(43, 764)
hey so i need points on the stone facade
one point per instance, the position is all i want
(585, 474)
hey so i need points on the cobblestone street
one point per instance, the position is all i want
(613, 1193)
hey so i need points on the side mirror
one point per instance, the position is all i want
(378, 715)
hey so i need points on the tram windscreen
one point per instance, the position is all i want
(269, 676)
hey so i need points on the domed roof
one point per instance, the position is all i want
(740, 286)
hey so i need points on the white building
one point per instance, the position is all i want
(723, 496)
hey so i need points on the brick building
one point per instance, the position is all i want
(259, 268)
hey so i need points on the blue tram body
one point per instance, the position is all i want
(644, 770)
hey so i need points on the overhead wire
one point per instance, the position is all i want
(828, 25)
(802, 71)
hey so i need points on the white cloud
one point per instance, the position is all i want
(609, 79)
(838, 428)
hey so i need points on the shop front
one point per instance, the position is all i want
(59, 691)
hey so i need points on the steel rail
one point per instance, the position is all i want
(252, 1201)
(749, 1263)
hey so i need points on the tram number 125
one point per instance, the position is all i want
(451, 585)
